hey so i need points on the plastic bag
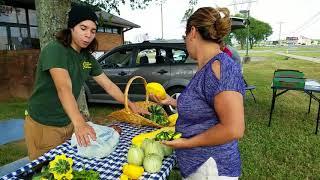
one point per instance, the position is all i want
(107, 140)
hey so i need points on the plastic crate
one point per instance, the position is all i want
(295, 83)
(288, 73)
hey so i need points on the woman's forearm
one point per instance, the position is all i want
(217, 135)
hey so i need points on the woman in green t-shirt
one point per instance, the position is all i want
(64, 65)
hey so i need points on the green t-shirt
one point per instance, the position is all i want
(44, 105)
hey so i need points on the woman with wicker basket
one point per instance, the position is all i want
(211, 112)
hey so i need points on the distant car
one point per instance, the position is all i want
(162, 62)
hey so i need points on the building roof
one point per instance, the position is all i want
(21, 3)
(109, 18)
(114, 20)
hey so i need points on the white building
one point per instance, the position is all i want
(304, 41)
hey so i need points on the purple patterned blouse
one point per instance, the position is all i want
(196, 115)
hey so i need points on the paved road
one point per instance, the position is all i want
(317, 60)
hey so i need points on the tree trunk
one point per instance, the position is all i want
(82, 104)
(242, 45)
(251, 44)
(52, 16)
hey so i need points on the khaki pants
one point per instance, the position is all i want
(41, 138)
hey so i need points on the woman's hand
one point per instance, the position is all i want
(177, 143)
(84, 133)
(136, 109)
(167, 101)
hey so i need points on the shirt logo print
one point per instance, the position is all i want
(86, 65)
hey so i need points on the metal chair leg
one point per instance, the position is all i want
(309, 104)
(253, 96)
(272, 105)
(318, 119)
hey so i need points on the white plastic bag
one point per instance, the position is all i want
(107, 140)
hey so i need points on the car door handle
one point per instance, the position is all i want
(122, 73)
(162, 71)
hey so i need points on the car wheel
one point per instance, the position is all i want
(173, 92)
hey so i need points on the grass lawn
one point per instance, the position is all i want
(284, 48)
(288, 149)
(12, 152)
(263, 53)
(12, 108)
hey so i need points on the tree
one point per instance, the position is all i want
(240, 35)
(51, 20)
(52, 16)
(190, 10)
(259, 31)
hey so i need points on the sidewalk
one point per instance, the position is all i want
(317, 60)
(11, 167)
(11, 130)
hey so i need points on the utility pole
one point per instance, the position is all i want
(280, 23)
(161, 21)
(161, 2)
(248, 33)
(247, 12)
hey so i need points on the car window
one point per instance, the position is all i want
(146, 56)
(118, 59)
(178, 56)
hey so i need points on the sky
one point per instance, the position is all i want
(297, 17)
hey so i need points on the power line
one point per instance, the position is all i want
(243, 2)
(308, 22)
(308, 25)
(235, 6)
(236, 3)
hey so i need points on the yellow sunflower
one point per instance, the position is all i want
(61, 167)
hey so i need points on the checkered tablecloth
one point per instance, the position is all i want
(109, 167)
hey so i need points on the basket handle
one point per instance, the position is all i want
(126, 91)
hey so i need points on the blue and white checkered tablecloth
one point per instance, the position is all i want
(109, 167)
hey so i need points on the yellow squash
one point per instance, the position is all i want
(137, 140)
(156, 89)
(173, 119)
(132, 171)
(124, 177)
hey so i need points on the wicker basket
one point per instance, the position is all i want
(126, 115)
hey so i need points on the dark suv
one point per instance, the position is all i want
(166, 63)
(163, 62)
